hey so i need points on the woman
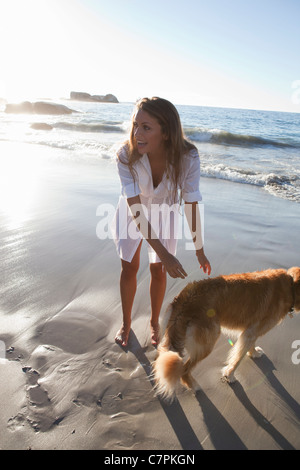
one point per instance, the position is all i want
(154, 166)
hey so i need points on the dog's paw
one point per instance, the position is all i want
(228, 376)
(196, 387)
(189, 382)
(255, 352)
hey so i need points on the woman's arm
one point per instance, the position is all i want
(171, 264)
(192, 214)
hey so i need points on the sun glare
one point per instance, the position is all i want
(37, 37)
(55, 46)
(19, 181)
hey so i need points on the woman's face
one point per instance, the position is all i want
(148, 134)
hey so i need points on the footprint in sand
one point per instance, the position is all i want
(39, 413)
(16, 423)
(38, 396)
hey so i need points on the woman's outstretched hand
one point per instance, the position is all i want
(203, 261)
(175, 269)
(173, 266)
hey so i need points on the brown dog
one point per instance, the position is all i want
(250, 304)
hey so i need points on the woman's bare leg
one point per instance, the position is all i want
(128, 289)
(157, 292)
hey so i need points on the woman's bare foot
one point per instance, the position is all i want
(154, 334)
(121, 337)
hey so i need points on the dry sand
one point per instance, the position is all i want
(65, 384)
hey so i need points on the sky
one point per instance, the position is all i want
(224, 53)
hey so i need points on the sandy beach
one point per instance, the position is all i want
(65, 384)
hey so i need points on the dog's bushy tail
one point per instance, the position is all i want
(169, 365)
(168, 369)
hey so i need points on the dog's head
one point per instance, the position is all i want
(295, 273)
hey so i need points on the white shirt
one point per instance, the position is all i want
(154, 199)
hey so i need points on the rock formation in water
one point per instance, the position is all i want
(41, 126)
(40, 107)
(82, 96)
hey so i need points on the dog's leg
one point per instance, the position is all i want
(199, 344)
(187, 379)
(245, 343)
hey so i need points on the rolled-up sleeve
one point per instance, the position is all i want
(190, 187)
(129, 185)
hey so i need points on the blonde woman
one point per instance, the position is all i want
(158, 168)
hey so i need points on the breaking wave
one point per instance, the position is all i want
(91, 127)
(285, 186)
(216, 136)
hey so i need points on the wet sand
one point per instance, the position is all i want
(65, 384)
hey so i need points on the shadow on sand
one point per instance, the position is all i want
(221, 434)
(217, 425)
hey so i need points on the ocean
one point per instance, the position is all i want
(260, 148)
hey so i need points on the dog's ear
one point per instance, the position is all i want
(295, 273)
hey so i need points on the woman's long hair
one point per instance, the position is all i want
(175, 143)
